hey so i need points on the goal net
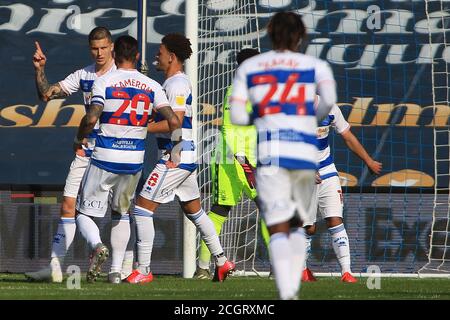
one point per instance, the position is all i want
(439, 253)
(225, 27)
(390, 61)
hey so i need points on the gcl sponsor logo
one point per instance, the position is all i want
(95, 204)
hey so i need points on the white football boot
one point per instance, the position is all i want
(51, 273)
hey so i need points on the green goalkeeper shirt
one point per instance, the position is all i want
(235, 139)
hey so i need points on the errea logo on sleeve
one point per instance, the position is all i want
(180, 100)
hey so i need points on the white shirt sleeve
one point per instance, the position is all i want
(71, 83)
(239, 98)
(160, 99)
(177, 93)
(98, 92)
(324, 72)
(339, 122)
(326, 88)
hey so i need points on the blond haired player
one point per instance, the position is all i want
(101, 48)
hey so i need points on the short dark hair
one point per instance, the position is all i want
(244, 54)
(285, 30)
(125, 49)
(178, 44)
(100, 33)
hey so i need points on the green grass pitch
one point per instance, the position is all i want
(15, 286)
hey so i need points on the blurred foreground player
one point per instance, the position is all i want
(281, 85)
(233, 171)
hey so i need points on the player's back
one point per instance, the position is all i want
(281, 85)
(128, 98)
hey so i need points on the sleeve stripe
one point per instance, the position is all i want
(99, 102)
(346, 129)
(99, 97)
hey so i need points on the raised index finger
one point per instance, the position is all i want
(38, 47)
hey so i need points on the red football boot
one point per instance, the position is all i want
(307, 276)
(137, 277)
(347, 277)
(223, 271)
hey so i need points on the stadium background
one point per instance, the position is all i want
(384, 83)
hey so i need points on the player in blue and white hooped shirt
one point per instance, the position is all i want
(123, 102)
(281, 85)
(101, 46)
(166, 180)
(328, 198)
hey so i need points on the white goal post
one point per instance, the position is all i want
(211, 69)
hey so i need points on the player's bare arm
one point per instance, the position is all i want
(45, 90)
(355, 146)
(172, 119)
(87, 124)
(318, 179)
(174, 126)
(163, 126)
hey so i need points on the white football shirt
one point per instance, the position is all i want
(129, 98)
(282, 85)
(84, 79)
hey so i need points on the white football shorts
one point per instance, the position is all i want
(99, 187)
(328, 200)
(163, 184)
(76, 172)
(284, 193)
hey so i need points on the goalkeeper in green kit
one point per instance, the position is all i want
(233, 172)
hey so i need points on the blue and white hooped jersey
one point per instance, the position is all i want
(84, 79)
(336, 120)
(128, 99)
(179, 93)
(282, 85)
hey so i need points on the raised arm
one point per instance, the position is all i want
(355, 146)
(46, 91)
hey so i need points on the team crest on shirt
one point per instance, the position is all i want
(322, 132)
